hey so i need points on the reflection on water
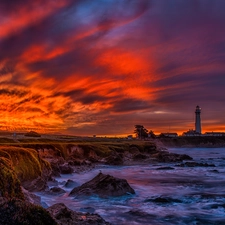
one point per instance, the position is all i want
(174, 195)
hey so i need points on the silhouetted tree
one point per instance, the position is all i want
(140, 131)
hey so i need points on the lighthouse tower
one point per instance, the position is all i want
(198, 120)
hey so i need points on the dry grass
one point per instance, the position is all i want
(9, 183)
(25, 161)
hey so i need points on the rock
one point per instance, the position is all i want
(55, 169)
(52, 182)
(65, 216)
(70, 184)
(56, 191)
(75, 162)
(18, 212)
(65, 168)
(140, 156)
(38, 184)
(163, 200)
(115, 159)
(134, 149)
(87, 209)
(196, 164)
(214, 171)
(31, 197)
(55, 162)
(103, 186)
(165, 168)
(140, 217)
(164, 156)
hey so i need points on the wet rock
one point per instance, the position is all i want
(214, 171)
(164, 156)
(140, 217)
(215, 206)
(196, 164)
(65, 216)
(70, 184)
(56, 191)
(65, 168)
(103, 186)
(163, 200)
(165, 168)
(87, 209)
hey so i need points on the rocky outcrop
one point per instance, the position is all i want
(65, 168)
(31, 197)
(166, 157)
(196, 141)
(70, 184)
(195, 164)
(115, 159)
(18, 212)
(103, 186)
(65, 216)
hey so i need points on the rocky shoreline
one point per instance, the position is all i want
(52, 160)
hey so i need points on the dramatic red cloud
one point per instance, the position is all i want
(100, 67)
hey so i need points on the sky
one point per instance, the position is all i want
(85, 67)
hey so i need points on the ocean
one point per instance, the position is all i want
(166, 193)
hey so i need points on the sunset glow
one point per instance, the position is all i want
(100, 67)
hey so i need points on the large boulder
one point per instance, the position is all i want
(103, 186)
(65, 216)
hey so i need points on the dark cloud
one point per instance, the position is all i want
(141, 60)
(128, 105)
(14, 92)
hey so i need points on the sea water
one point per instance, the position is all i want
(168, 196)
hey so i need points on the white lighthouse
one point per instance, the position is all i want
(198, 120)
